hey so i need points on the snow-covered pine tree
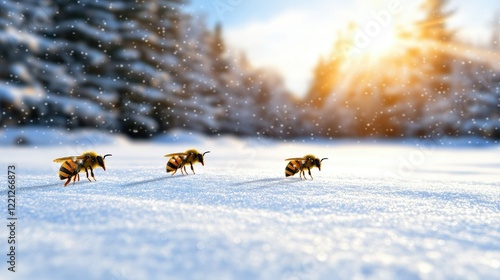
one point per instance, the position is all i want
(481, 111)
(87, 33)
(192, 95)
(119, 52)
(233, 101)
(495, 33)
(326, 74)
(326, 106)
(24, 75)
(261, 104)
(236, 98)
(147, 61)
(480, 78)
(277, 112)
(323, 82)
(198, 100)
(439, 118)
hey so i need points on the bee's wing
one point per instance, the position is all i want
(298, 158)
(73, 158)
(175, 154)
(63, 159)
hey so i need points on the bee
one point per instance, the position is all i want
(179, 160)
(72, 166)
(300, 164)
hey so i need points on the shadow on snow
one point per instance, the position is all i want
(20, 189)
(154, 180)
(269, 181)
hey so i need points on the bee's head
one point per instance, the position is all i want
(100, 161)
(200, 157)
(317, 162)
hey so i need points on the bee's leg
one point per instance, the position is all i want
(77, 175)
(175, 170)
(185, 171)
(87, 173)
(67, 182)
(309, 170)
(92, 173)
(192, 167)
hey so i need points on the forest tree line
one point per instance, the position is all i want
(144, 67)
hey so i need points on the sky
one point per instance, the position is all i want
(290, 36)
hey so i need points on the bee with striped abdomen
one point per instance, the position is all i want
(179, 160)
(72, 166)
(301, 164)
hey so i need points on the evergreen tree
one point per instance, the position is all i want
(88, 33)
(438, 117)
(323, 82)
(116, 52)
(25, 77)
(153, 33)
(495, 33)
(480, 105)
(197, 99)
(327, 71)
(218, 51)
(326, 99)
(433, 25)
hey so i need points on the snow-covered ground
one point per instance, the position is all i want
(376, 210)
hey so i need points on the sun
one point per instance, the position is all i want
(376, 45)
(372, 47)
(381, 29)
(383, 44)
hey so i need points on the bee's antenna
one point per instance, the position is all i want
(106, 156)
(206, 153)
(323, 159)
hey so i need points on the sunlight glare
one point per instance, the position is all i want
(379, 31)
(383, 44)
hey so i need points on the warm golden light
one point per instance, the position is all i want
(364, 49)
(384, 44)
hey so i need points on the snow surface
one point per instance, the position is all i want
(385, 210)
